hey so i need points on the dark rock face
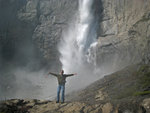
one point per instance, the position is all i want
(16, 46)
(52, 17)
(34, 26)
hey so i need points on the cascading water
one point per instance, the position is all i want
(77, 41)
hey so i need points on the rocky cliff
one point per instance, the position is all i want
(33, 25)
(52, 17)
(124, 34)
(123, 29)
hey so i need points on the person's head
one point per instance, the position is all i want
(62, 72)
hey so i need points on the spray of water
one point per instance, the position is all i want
(76, 45)
(77, 55)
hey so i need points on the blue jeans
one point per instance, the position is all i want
(62, 89)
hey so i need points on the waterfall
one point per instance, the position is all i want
(78, 40)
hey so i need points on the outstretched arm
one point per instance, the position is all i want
(68, 75)
(53, 74)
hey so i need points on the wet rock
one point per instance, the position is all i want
(28, 12)
(146, 104)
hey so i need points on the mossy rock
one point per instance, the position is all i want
(144, 68)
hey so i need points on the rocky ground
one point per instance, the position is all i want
(37, 106)
(126, 91)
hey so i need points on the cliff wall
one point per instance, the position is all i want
(31, 29)
(124, 34)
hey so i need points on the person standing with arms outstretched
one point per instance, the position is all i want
(61, 84)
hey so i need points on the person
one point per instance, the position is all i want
(61, 84)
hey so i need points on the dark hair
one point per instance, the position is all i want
(62, 70)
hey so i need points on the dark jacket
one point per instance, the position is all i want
(61, 78)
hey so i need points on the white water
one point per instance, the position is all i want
(78, 41)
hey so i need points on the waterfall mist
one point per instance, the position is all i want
(22, 66)
(77, 47)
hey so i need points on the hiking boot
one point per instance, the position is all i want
(62, 102)
(57, 101)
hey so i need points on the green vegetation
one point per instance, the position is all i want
(144, 80)
(144, 76)
(143, 68)
(141, 93)
(127, 92)
(141, 83)
(3, 112)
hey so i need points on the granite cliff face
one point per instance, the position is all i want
(52, 17)
(124, 34)
(34, 25)
(123, 30)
